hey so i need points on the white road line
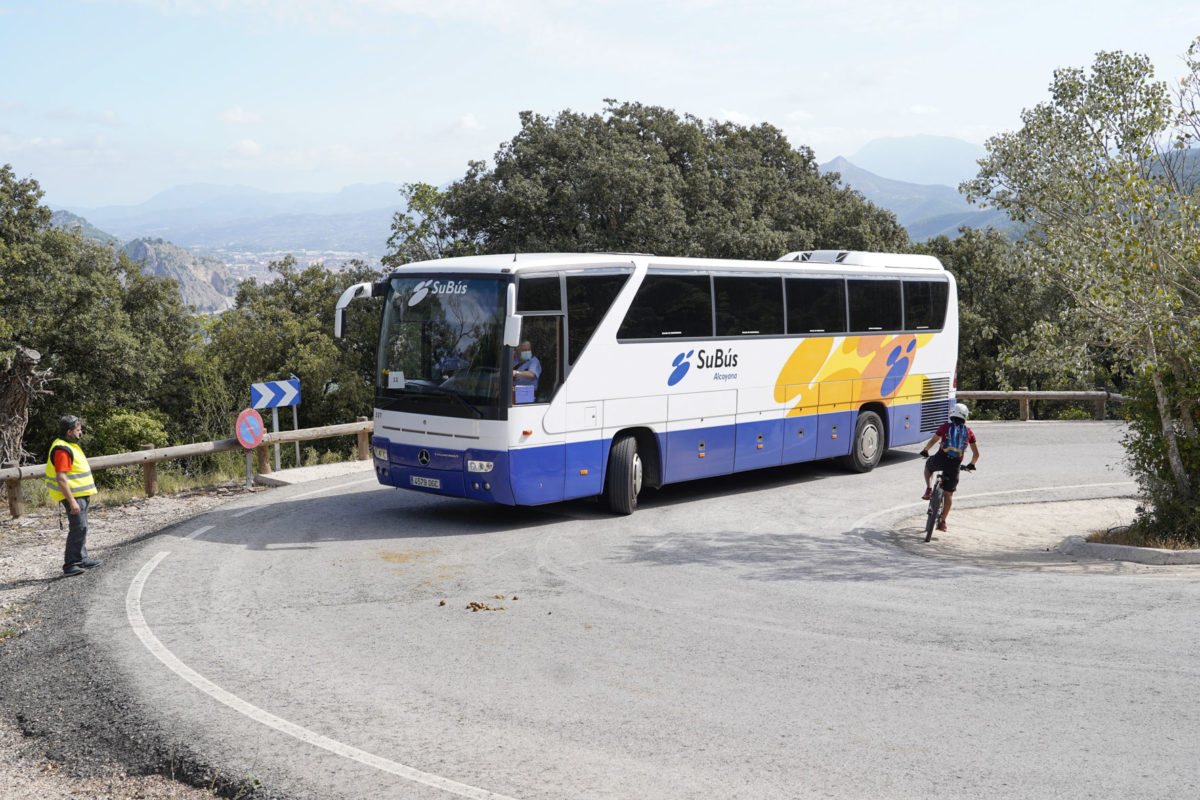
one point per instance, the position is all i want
(133, 610)
(199, 532)
(861, 522)
(328, 489)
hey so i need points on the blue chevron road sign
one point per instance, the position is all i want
(271, 394)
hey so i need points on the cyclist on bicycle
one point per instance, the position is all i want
(955, 437)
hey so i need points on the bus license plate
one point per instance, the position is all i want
(428, 483)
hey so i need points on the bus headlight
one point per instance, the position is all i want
(380, 452)
(479, 466)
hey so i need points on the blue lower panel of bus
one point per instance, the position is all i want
(533, 476)
(530, 476)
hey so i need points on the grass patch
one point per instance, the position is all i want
(1137, 536)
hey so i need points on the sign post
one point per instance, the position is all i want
(272, 394)
(249, 432)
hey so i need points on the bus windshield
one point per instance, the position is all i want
(441, 344)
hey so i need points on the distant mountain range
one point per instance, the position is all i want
(207, 217)
(926, 210)
(924, 160)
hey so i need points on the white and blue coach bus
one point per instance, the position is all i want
(652, 370)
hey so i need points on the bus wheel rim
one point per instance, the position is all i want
(869, 446)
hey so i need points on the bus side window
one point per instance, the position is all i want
(874, 305)
(545, 334)
(749, 306)
(925, 305)
(539, 294)
(588, 300)
(816, 305)
(670, 307)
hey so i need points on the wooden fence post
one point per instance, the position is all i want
(364, 443)
(150, 474)
(16, 504)
(1023, 405)
(1101, 410)
(263, 454)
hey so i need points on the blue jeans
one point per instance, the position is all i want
(77, 532)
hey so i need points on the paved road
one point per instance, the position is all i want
(768, 635)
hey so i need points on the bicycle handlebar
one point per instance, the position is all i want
(966, 467)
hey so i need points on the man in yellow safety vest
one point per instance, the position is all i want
(69, 481)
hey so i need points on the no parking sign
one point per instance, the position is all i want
(249, 429)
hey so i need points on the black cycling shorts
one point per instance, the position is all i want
(949, 467)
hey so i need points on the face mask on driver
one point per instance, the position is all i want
(525, 355)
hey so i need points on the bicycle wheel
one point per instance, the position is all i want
(935, 511)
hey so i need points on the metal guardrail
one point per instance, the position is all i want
(1023, 396)
(149, 457)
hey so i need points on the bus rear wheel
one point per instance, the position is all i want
(624, 481)
(869, 442)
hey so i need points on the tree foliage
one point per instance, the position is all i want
(1098, 171)
(110, 335)
(639, 178)
(1005, 299)
(284, 327)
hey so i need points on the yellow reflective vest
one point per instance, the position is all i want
(79, 477)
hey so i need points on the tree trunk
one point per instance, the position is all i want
(20, 382)
(1183, 484)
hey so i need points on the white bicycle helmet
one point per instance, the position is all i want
(959, 412)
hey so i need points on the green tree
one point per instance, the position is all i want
(423, 231)
(23, 220)
(109, 334)
(1097, 171)
(639, 178)
(1008, 306)
(285, 326)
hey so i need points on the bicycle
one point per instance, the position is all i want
(936, 499)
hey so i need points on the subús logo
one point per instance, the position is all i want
(425, 288)
(717, 359)
(681, 365)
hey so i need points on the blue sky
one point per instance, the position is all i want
(116, 100)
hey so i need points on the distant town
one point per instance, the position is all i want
(244, 264)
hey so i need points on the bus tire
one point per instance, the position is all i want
(870, 440)
(624, 480)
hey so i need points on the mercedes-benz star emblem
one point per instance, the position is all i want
(423, 457)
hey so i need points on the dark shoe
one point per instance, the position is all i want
(74, 569)
(88, 563)
(928, 494)
(941, 526)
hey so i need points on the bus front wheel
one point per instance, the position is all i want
(869, 442)
(624, 475)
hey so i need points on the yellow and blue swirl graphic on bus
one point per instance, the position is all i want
(853, 370)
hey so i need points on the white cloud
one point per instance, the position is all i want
(247, 148)
(108, 118)
(238, 116)
(469, 122)
(737, 117)
(921, 110)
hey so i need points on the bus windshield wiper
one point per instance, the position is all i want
(425, 387)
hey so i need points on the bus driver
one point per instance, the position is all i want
(526, 371)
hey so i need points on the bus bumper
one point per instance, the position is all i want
(473, 474)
